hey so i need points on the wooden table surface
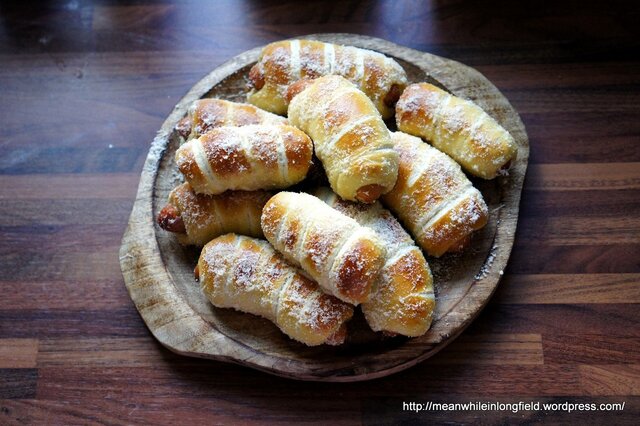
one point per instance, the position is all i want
(85, 85)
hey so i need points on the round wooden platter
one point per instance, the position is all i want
(158, 272)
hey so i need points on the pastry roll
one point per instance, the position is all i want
(433, 197)
(349, 136)
(342, 256)
(381, 78)
(197, 218)
(246, 158)
(207, 114)
(183, 127)
(248, 275)
(457, 127)
(402, 301)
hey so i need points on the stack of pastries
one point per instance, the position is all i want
(305, 259)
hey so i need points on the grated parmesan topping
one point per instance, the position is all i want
(209, 216)
(390, 304)
(433, 197)
(456, 126)
(250, 157)
(350, 138)
(316, 237)
(288, 61)
(248, 275)
(208, 114)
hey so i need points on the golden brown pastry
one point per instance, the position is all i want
(458, 128)
(197, 218)
(433, 197)
(381, 78)
(349, 137)
(246, 158)
(207, 114)
(342, 256)
(402, 301)
(248, 275)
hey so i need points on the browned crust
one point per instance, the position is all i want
(296, 88)
(298, 150)
(276, 71)
(208, 114)
(349, 106)
(273, 213)
(415, 115)
(316, 251)
(413, 118)
(256, 77)
(228, 159)
(207, 216)
(358, 271)
(331, 314)
(189, 167)
(369, 193)
(433, 188)
(241, 264)
(245, 115)
(427, 191)
(234, 201)
(224, 160)
(292, 234)
(411, 278)
(170, 220)
(351, 141)
(214, 110)
(447, 233)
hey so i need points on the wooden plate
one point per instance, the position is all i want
(158, 272)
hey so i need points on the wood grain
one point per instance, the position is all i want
(494, 349)
(78, 76)
(570, 289)
(580, 177)
(18, 353)
(66, 186)
(610, 379)
(592, 349)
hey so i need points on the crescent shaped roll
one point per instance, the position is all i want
(457, 127)
(381, 78)
(343, 257)
(207, 114)
(349, 136)
(433, 197)
(245, 158)
(403, 300)
(197, 218)
(248, 275)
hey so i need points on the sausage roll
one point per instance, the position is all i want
(381, 78)
(457, 127)
(246, 158)
(248, 275)
(342, 256)
(197, 218)
(207, 114)
(402, 301)
(349, 136)
(433, 197)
